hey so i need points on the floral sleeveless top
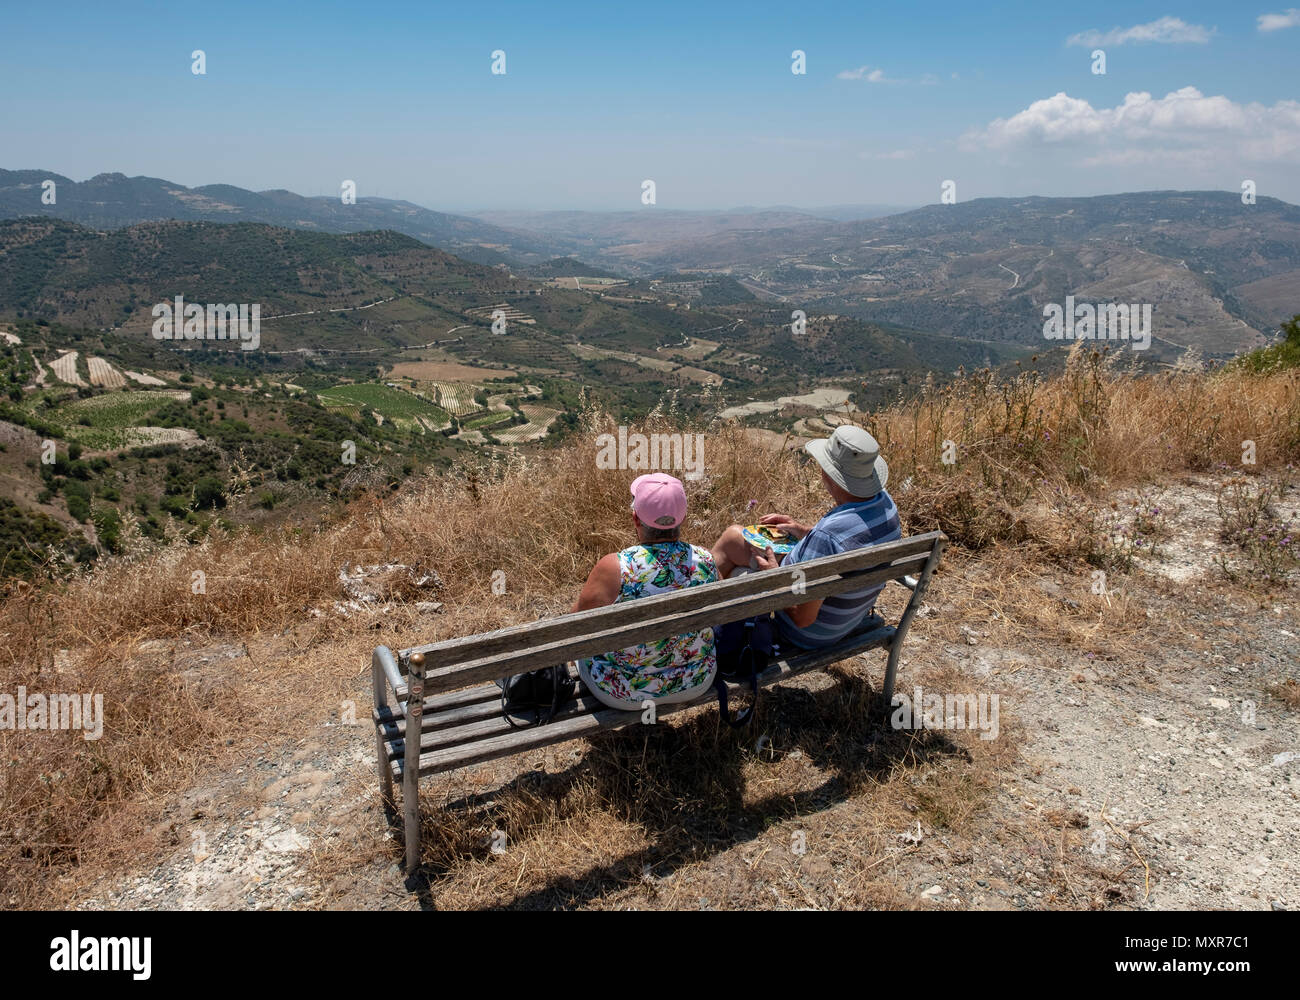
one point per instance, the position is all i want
(662, 666)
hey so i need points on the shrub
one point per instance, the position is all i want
(209, 493)
(108, 526)
(1249, 520)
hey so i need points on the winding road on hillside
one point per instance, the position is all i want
(369, 350)
(342, 309)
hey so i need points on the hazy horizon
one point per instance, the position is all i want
(876, 209)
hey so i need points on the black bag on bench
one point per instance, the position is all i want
(744, 649)
(540, 692)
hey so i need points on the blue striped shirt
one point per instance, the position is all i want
(844, 528)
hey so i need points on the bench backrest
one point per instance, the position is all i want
(456, 663)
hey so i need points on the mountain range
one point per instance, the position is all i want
(1221, 275)
(113, 200)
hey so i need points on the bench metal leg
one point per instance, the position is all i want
(904, 623)
(381, 750)
(411, 761)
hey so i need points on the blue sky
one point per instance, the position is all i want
(698, 97)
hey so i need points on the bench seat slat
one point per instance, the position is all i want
(395, 724)
(474, 730)
(472, 703)
(484, 747)
(475, 703)
(468, 719)
(458, 698)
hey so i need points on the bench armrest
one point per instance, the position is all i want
(385, 668)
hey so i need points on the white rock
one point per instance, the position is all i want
(289, 840)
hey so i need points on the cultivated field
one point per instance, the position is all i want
(457, 398)
(698, 375)
(589, 353)
(114, 420)
(696, 350)
(510, 313)
(582, 284)
(818, 398)
(65, 369)
(143, 379)
(403, 408)
(104, 374)
(139, 437)
(448, 371)
(540, 419)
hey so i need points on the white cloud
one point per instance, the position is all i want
(1165, 30)
(1147, 128)
(864, 73)
(877, 75)
(1275, 22)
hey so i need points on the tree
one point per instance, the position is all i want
(209, 492)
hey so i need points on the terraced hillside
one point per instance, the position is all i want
(405, 409)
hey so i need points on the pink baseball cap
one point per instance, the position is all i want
(659, 500)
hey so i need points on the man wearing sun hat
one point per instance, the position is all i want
(678, 668)
(854, 475)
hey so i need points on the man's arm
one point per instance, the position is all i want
(804, 614)
(602, 585)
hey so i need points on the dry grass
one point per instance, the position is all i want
(1288, 693)
(811, 801)
(1031, 451)
(1033, 457)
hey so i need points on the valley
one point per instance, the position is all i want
(378, 356)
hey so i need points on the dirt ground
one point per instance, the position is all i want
(1146, 758)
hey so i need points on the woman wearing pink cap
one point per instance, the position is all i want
(679, 668)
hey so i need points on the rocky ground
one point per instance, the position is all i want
(1147, 758)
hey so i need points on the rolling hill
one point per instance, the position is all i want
(113, 201)
(373, 295)
(1221, 275)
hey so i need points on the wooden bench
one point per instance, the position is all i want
(445, 691)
